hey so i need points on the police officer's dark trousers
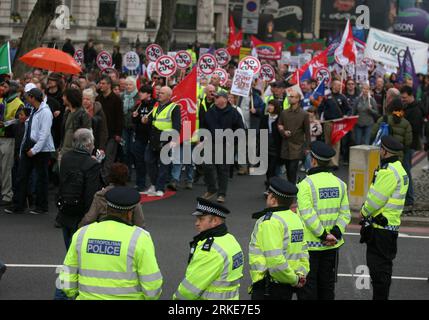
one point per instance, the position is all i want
(380, 253)
(272, 291)
(322, 276)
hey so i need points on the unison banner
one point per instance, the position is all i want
(385, 47)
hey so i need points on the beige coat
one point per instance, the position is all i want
(98, 210)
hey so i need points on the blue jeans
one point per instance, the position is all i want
(159, 173)
(177, 168)
(363, 135)
(139, 149)
(408, 157)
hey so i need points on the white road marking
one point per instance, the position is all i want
(367, 276)
(33, 265)
(401, 235)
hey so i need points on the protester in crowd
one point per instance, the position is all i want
(379, 94)
(35, 153)
(294, 128)
(116, 89)
(307, 91)
(334, 107)
(117, 58)
(129, 97)
(220, 117)
(270, 122)
(98, 210)
(83, 82)
(54, 94)
(75, 118)
(80, 179)
(68, 47)
(10, 104)
(165, 117)
(415, 114)
(98, 119)
(206, 102)
(142, 130)
(89, 54)
(351, 93)
(366, 108)
(399, 127)
(113, 110)
(122, 83)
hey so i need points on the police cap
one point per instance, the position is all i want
(122, 198)
(391, 145)
(206, 207)
(282, 188)
(321, 151)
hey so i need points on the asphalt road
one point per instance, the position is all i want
(26, 241)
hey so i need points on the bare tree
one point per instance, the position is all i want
(165, 30)
(41, 17)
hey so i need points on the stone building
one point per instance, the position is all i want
(202, 20)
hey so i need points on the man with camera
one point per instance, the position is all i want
(381, 214)
(36, 148)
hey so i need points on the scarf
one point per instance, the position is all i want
(129, 101)
(271, 120)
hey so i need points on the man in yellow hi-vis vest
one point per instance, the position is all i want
(278, 254)
(382, 216)
(112, 259)
(165, 117)
(324, 208)
(216, 259)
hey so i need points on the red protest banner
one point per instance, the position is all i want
(267, 50)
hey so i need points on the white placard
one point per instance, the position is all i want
(285, 57)
(385, 47)
(242, 82)
(104, 60)
(166, 66)
(362, 73)
(131, 61)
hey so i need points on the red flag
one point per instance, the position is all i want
(267, 50)
(234, 44)
(346, 52)
(231, 28)
(185, 95)
(342, 127)
(310, 68)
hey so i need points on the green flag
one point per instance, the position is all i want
(5, 66)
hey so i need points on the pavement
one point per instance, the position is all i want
(32, 247)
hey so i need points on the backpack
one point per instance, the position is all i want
(384, 130)
(70, 202)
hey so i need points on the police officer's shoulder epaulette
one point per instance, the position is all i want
(268, 216)
(384, 166)
(208, 244)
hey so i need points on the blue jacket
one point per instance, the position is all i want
(41, 130)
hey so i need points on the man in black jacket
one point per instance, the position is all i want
(414, 113)
(80, 179)
(221, 117)
(333, 108)
(142, 134)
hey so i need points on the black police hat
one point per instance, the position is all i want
(122, 198)
(391, 145)
(321, 151)
(206, 207)
(282, 188)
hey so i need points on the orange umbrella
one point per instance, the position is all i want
(51, 59)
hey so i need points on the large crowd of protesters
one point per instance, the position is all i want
(101, 124)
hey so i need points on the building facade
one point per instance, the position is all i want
(203, 20)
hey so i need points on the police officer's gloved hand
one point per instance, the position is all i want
(336, 232)
(381, 220)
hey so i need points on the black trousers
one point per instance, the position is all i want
(273, 291)
(380, 253)
(322, 276)
(39, 162)
(273, 161)
(292, 170)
